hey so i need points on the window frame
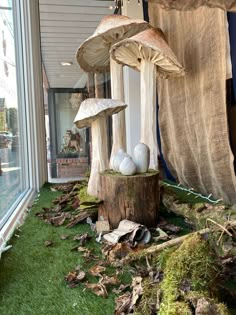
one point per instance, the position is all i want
(31, 113)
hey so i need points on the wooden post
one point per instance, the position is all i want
(135, 198)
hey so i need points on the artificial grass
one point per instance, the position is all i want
(32, 275)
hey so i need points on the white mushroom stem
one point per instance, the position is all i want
(99, 154)
(118, 120)
(148, 110)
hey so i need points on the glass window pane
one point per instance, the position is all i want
(11, 183)
(70, 145)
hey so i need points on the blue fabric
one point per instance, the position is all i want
(167, 172)
(232, 37)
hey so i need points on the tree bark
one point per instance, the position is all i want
(135, 198)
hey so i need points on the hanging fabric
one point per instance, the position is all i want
(182, 5)
(192, 114)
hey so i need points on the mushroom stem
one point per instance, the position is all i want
(118, 120)
(99, 153)
(148, 110)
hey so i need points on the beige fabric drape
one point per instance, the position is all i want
(192, 116)
(227, 5)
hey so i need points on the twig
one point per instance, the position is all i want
(158, 248)
(220, 226)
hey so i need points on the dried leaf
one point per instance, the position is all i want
(53, 189)
(48, 243)
(172, 228)
(81, 275)
(82, 238)
(64, 236)
(98, 288)
(137, 289)
(106, 280)
(74, 278)
(119, 251)
(162, 235)
(97, 269)
(121, 288)
(123, 303)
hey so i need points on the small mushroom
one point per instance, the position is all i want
(93, 112)
(149, 53)
(93, 56)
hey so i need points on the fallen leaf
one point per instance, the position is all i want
(82, 238)
(98, 288)
(106, 280)
(97, 270)
(171, 228)
(123, 303)
(48, 243)
(64, 236)
(137, 289)
(74, 278)
(119, 251)
(121, 288)
(162, 235)
(81, 275)
(53, 189)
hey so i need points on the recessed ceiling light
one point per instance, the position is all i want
(66, 63)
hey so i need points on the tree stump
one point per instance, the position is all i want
(135, 198)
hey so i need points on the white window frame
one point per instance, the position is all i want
(31, 112)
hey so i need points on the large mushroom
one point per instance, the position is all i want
(149, 53)
(93, 112)
(93, 56)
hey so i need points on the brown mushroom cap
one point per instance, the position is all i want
(148, 45)
(93, 108)
(93, 54)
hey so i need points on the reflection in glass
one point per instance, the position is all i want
(10, 164)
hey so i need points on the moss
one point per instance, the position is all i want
(193, 263)
(150, 172)
(176, 308)
(85, 198)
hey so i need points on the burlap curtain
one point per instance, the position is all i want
(192, 115)
(228, 5)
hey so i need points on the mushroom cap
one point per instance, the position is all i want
(93, 54)
(93, 108)
(149, 45)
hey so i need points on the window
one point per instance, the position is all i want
(22, 131)
(12, 156)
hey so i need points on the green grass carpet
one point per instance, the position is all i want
(32, 275)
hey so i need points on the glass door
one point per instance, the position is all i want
(68, 146)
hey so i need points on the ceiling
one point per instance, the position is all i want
(64, 25)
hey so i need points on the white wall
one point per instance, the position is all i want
(132, 86)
